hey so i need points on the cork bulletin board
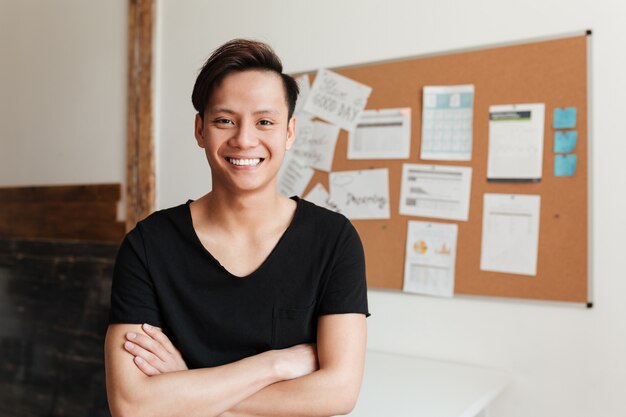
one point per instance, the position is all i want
(554, 72)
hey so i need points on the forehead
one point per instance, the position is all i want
(250, 87)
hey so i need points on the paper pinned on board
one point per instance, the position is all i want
(564, 118)
(565, 142)
(565, 165)
(430, 258)
(447, 117)
(362, 194)
(381, 134)
(318, 195)
(337, 99)
(304, 86)
(510, 241)
(300, 147)
(294, 176)
(315, 143)
(437, 191)
(516, 142)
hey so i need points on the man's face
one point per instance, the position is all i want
(245, 130)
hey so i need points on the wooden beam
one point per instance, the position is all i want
(75, 212)
(62, 193)
(140, 165)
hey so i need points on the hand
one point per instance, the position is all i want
(154, 353)
(297, 361)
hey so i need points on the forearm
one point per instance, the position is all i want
(196, 393)
(320, 394)
(332, 390)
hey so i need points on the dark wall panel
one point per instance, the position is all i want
(54, 300)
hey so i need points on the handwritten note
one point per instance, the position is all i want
(318, 195)
(294, 176)
(361, 194)
(337, 99)
(304, 133)
(315, 143)
(305, 88)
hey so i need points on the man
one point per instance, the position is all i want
(263, 297)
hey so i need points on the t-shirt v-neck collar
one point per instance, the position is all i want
(266, 261)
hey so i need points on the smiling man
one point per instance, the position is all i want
(243, 302)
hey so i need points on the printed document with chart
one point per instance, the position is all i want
(516, 142)
(437, 191)
(447, 122)
(381, 134)
(430, 258)
(510, 241)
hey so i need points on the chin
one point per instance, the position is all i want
(249, 188)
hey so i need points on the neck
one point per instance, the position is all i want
(248, 212)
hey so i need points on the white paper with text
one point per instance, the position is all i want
(510, 241)
(361, 194)
(438, 191)
(381, 134)
(430, 258)
(315, 143)
(337, 99)
(447, 118)
(294, 176)
(516, 142)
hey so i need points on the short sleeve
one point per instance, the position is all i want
(133, 297)
(346, 288)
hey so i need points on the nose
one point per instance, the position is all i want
(244, 137)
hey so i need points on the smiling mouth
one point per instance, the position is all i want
(247, 162)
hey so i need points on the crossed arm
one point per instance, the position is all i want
(288, 382)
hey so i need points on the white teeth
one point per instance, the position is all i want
(244, 162)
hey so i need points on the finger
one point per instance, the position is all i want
(145, 367)
(158, 334)
(149, 344)
(146, 356)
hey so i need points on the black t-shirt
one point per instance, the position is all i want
(164, 276)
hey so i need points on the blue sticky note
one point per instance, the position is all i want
(565, 165)
(565, 118)
(565, 142)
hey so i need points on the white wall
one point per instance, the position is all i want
(62, 121)
(62, 91)
(567, 361)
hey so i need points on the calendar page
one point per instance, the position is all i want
(447, 123)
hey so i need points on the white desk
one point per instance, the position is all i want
(405, 386)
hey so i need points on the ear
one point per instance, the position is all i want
(291, 132)
(199, 130)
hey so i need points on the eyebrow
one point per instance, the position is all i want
(220, 110)
(229, 111)
(266, 111)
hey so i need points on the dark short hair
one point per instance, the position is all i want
(240, 55)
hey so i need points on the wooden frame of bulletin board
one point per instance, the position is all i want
(551, 71)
